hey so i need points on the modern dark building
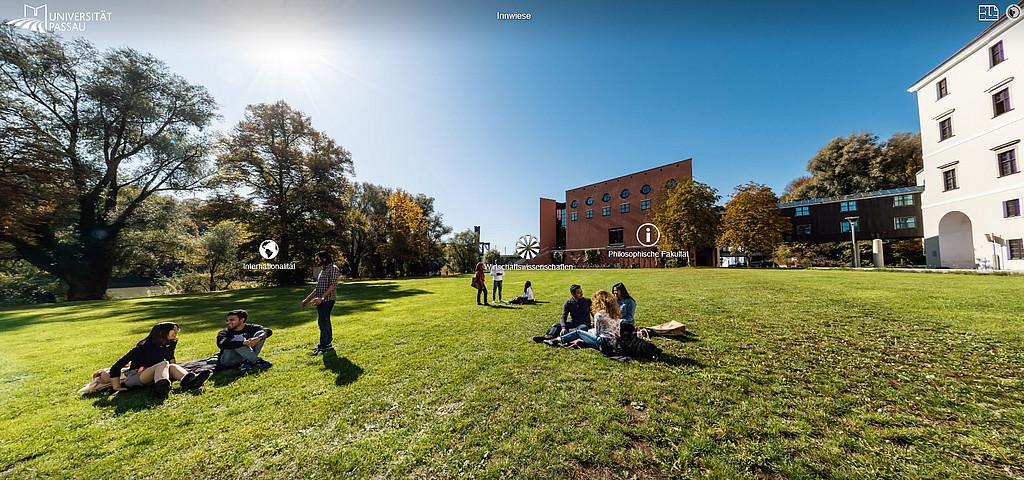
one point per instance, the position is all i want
(603, 217)
(886, 214)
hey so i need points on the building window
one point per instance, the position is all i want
(1016, 249)
(645, 204)
(1011, 208)
(903, 223)
(949, 180)
(589, 213)
(803, 229)
(1001, 102)
(606, 211)
(1007, 163)
(671, 183)
(624, 208)
(802, 211)
(903, 201)
(574, 204)
(941, 88)
(996, 55)
(606, 197)
(625, 193)
(645, 189)
(946, 128)
(850, 206)
(615, 236)
(574, 216)
(845, 226)
(561, 216)
(590, 200)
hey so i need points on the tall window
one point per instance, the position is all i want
(589, 213)
(624, 208)
(845, 226)
(850, 206)
(802, 211)
(996, 54)
(1011, 208)
(606, 211)
(941, 88)
(1001, 102)
(946, 128)
(803, 229)
(1007, 163)
(645, 204)
(903, 201)
(903, 223)
(615, 236)
(949, 180)
(574, 216)
(1016, 249)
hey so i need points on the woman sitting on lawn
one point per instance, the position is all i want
(606, 324)
(151, 362)
(627, 306)
(527, 296)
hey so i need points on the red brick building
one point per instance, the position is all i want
(603, 217)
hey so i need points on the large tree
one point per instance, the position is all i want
(87, 138)
(461, 252)
(299, 176)
(405, 233)
(688, 218)
(752, 222)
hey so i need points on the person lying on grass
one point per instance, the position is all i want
(606, 324)
(151, 362)
(526, 297)
(575, 314)
(240, 343)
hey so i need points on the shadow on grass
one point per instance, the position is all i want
(133, 400)
(504, 307)
(674, 360)
(347, 371)
(685, 338)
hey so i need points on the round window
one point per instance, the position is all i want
(606, 197)
(590, 200)
(645, 189)
(671, 183)
(625, 193)
(573, 204)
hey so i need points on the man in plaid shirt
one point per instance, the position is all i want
(323, 296)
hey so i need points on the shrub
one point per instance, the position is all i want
(22, 283)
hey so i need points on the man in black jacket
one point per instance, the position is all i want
(240, 343)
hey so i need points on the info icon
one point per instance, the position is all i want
(648, 234)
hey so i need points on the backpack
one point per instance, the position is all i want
(636, 347)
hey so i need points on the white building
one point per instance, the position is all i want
(971, 131)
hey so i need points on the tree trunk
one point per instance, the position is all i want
(88, 281)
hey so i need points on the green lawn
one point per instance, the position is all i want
(793, 374)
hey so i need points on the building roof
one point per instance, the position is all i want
(994, 25)
(855, 196)
(631, 174)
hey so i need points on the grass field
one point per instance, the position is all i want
(792, 374)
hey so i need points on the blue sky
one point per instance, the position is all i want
(486, 115)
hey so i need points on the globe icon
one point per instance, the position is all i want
(268, 249)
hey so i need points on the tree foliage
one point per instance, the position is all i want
(688, 218)
(87, 137)
(752, 222)
(460, 252)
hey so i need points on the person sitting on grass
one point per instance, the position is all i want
(606, 324)
(627, 306)
(240, 343)
(575, 315)
(151, 362)
(526, 297)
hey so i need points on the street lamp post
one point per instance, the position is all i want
(852, 222)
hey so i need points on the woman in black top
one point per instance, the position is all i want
(151, 362)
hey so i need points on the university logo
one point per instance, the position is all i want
(36, 22)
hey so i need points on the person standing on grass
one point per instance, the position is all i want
(240, 343)
(323, 296)
(151, 362)
(478, 282)
(497, 275)
(627, 306)
(575, 315)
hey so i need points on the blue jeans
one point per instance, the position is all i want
(234, 357)
(497, 290)
(581, 334)
(323, 320)
(556, 328)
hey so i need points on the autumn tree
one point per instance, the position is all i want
(404, 231)
(752, 222)
(298, 175)
(688, 218)
(87, 137)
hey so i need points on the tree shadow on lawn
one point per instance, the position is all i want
(347, 371)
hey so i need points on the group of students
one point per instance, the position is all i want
(152, 361)
(589, 322)
(497, 278)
